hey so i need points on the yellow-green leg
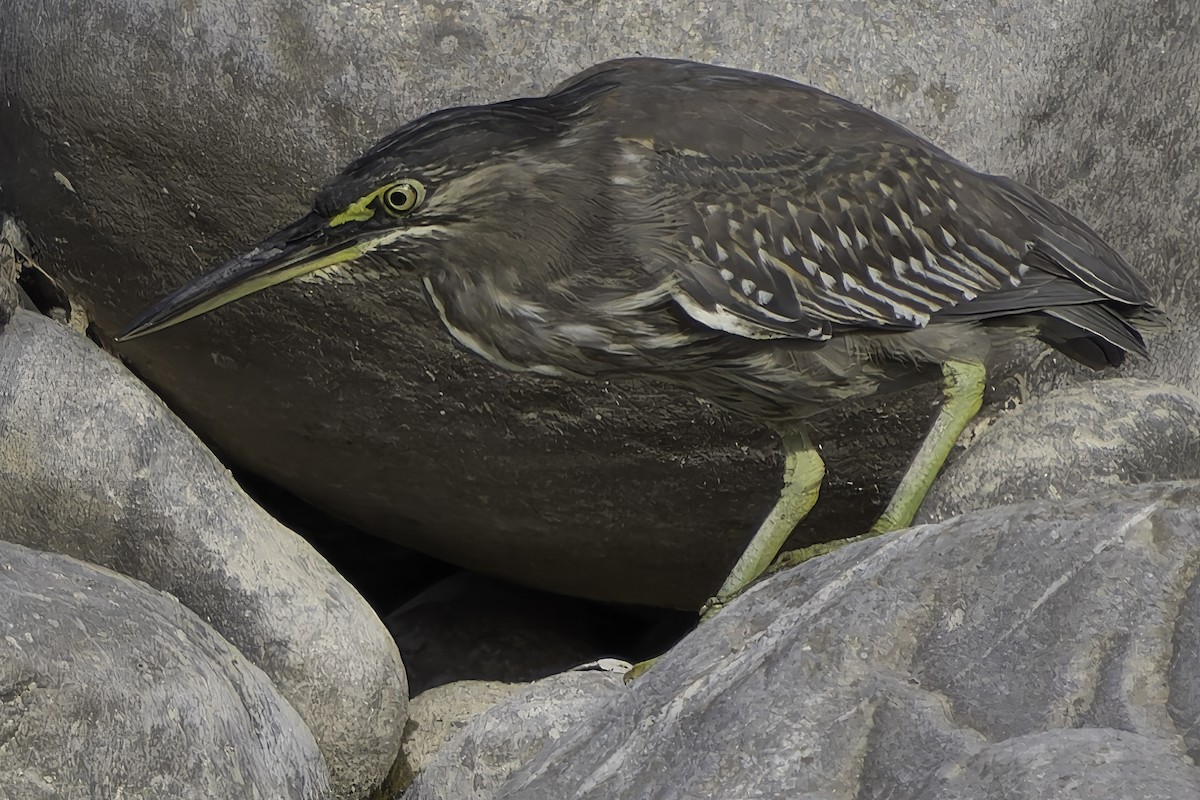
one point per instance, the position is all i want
(803, 472)
(963, 384)
(802, 475)
(962, 387)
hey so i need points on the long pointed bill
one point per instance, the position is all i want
(299, 249)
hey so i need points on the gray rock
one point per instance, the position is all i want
(437, 715)
(10, 296)
(476, 761)
(20, 275)
(1069, 765)
(109, 689)
(1036, 650)
(94, 466)
(194, 131)
(1072, 440)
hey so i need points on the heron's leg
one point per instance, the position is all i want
(803, 471)
(962, 386)
(802, 474)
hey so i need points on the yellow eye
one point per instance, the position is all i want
(402, 196)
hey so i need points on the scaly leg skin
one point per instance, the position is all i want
(963, 384)
(803, 472)
(802, 475)
(962, 387)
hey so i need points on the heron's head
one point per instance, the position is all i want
(460, 185)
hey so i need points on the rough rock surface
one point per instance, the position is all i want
(436, 715)
(94, 466)
(476, 761)
(148, 141)
(1039, 650)
(1071, 440)
(1069, 765)
(11, 297)
(110, 689)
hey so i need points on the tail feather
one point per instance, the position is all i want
(1037, 291)
(1089, 300)
(1108, 332)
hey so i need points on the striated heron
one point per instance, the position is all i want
(767, 245)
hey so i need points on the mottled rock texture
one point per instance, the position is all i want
(94, 466)
(475, 762)
(436, 715)
(1042, 650)
(144, 141)
(109, 688)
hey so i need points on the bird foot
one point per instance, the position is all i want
(715, 603)
(886, 523)
(639, 669)
(794, 558)
(786, 560)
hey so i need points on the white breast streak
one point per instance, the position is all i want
(468, 340)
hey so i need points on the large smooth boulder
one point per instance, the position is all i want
(1041, 650)
(111, 689)
(94, 466)
(143, 142)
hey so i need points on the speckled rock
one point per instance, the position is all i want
(94, 466)
(10, 295)
(1042, 650)
(437, 715)
(482, 755)
(148, 141)
(109, 688)
(1072, 440)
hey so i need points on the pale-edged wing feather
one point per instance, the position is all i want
(880, 238)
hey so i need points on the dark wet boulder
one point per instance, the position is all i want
(189, 133)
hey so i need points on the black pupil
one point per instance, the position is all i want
(399, 198)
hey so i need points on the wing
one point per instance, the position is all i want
(794, 214)
(809, 242)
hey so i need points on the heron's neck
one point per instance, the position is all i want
(566, 329)
(550, 283)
